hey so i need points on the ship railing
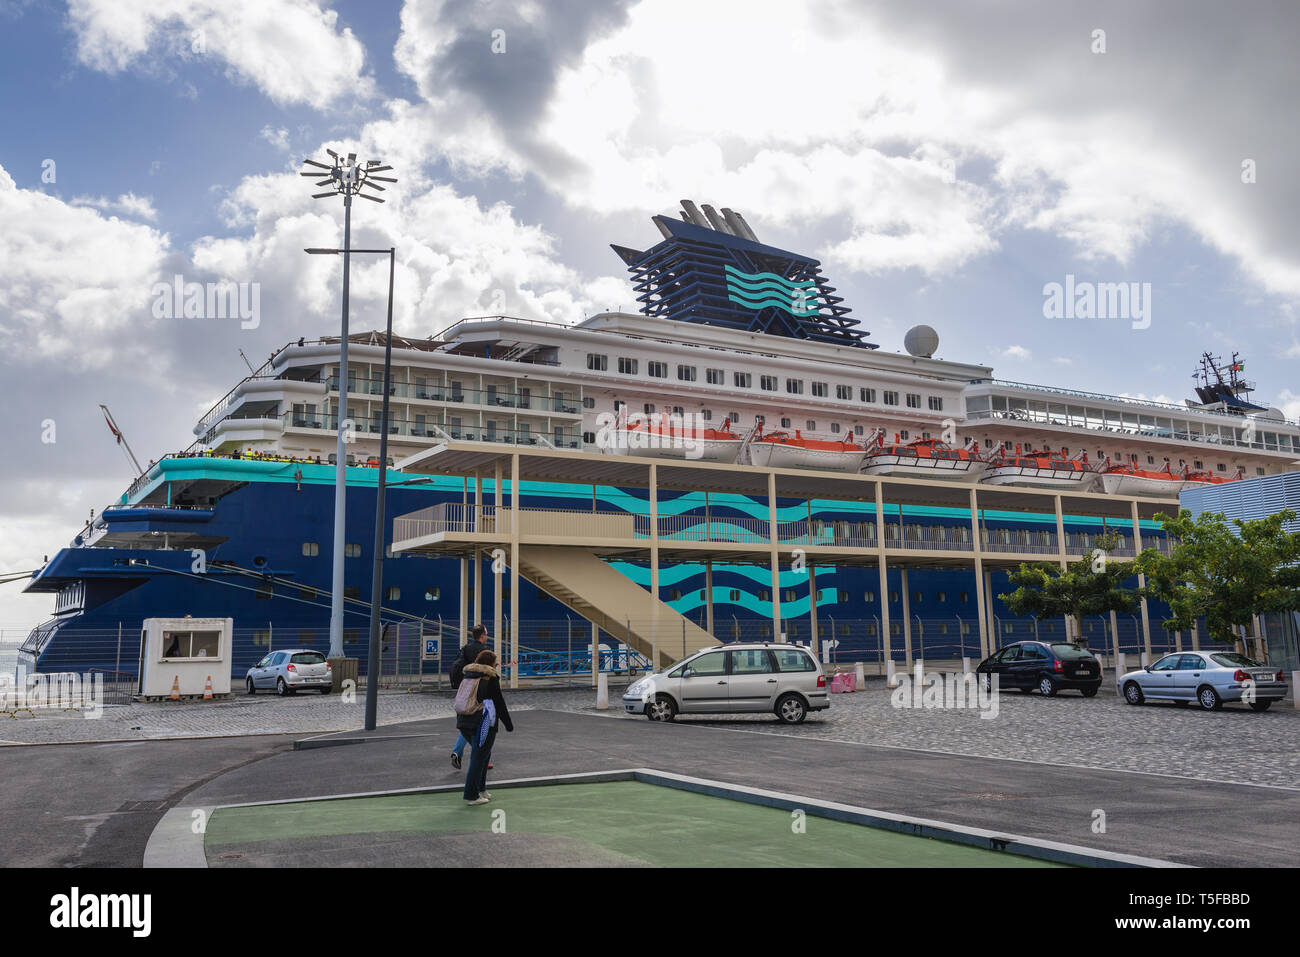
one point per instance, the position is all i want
(432, 428)
(555, 402)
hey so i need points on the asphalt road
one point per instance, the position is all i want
(73, 805)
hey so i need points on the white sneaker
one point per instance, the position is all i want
(478, 800)
(486, 795)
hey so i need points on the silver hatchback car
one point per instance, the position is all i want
(291, 670)
(1209, 678)
(749, 678)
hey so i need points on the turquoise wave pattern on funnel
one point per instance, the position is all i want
(761, 289)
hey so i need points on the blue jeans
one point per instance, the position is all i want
(480, 757)
(459, 747)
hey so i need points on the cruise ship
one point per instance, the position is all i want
(742, 346)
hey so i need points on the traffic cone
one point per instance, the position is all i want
(176, 688)
(207, 689)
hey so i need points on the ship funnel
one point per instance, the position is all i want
(694, 213)
(739, 225)
(714, 219)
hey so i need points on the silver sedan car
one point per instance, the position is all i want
(749, 678)
(291, 670)
(1210, 678)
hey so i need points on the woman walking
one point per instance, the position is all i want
(480, 728)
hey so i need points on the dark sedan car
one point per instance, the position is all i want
(1048, 666)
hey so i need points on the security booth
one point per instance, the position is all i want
(189, 657)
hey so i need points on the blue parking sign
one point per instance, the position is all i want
(430, 648)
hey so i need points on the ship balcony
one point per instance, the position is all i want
(444, 396)
(567, 437)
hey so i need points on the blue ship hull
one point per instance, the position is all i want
(269, 568)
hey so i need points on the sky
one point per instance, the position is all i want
(946, 161)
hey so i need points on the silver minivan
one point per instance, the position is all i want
(744, 678)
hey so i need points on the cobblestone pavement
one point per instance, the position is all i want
(1234, 745)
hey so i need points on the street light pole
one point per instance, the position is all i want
(377, 581)
(347, 178)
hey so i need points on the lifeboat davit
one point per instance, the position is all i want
(1128, 479)
(794, 450)
(1195, 479)
(671, 436)
(1042, 469)
(924, 458)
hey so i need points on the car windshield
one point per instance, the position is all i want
(1071, 652)
(1231, 659)
(308, 658)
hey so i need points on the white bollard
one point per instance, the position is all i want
(602, 692)
(861, 675)
(965, 665)
(1295, 690)
(891, 681)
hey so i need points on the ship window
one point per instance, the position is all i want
(789, 594)
(627, 366)
(352, 591)
(310, 549)
(351, 550)
(674, 594)
(964, 597)
(351, 635)
(588, 402)
(871, 629)
(1259, 471)
(715, 376)
(835, 427)
(678, 410)
(392, 593)
(895, 628)
(794, 386)
(686, 373)
(1197, 464)
(936, 403)
(306, 636)
(821, 389)
(785, 423)
(597, 363)
(734, 594)
(1221, 467)
(432, 594)
(708, 415)
(913, 400)
(767, 383)
(264, 591)
(940, 596)
(648, 408)
(845, 631)
(735, 417)
(657, 370)
(1151, 460)
(844, 392)
(792, 629)
(916, 597)
(742, 380)
(903, 435)
(842, 596)
(810, 424)
(262, 637)
(764, 595)
(857, 430)
(588, 438)
(867, 395)
(893, 596)
(891, 398)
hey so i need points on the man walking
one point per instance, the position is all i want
(476, 645)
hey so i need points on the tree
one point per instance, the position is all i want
(1094, 585)
(1224, 575)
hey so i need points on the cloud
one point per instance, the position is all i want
(292, 50)
(128, 204)
(1017, 352)
(73, 281)
(277, 138)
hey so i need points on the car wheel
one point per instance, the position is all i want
(248, 683)
(1090, 692)
(281, 688)
(1133, 694)
(791, 709)
(1260, 705)
(1047, 686)
(663, 708)
(1209, 698)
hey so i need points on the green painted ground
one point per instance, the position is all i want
(660, 826)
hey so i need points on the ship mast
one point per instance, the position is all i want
(121, 439)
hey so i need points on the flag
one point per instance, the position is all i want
(112, 428)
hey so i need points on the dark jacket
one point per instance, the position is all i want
(467, 654)
(489, 689)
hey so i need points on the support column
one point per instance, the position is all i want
(1060, 551)
(907, 618)
(987, 585)
(1196, 640)
(478, 552)
(1114, 636)
(497, 577)
(1142, 582)
(812, 607)
(885, 651)
(708, 595)
(774, 546)
(514, 570)
(595, 654)
(464, 602)
(654, 566)
(979, 575)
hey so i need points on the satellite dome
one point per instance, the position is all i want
(921, 341)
